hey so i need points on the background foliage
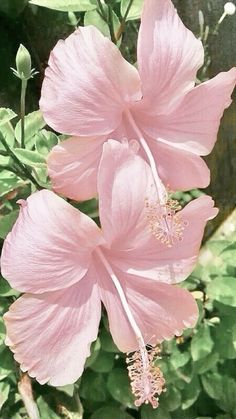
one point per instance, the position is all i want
(200, 366)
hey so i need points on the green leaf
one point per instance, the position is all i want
(212, 384)
(191, 393)
(66, 5)
(95, 348)
(171, 399)
(147, 412)
(7, 364)
(223, 289)
(223, 389)
(94, 18)
(45, 141)
(7, 132)
(179, 359)
(2, 332)
(30, 158)
(6, 115)
(110, 412)
(207, 363)
(5, 289)
(45, 410)
(229, 255)
(202, 343)
(134, 11)
(7, 222)
(104, 362)
(119, 387)
(34, 122)
(93, 387)
(107, 342)
(225, 338)
(8, 182)
(12, 7)
(68, 389)
(4, 391)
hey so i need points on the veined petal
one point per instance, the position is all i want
(73, 166)
(194, 124)
(179, 169)
(51, 334)
(124, 180)
(153, 259)
(169, 56)
(160, 310)
(50, 245)
(87, 85)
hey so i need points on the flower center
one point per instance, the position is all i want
(147, 381)
(164, 222)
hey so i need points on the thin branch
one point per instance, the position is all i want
(25, 390)
(19, 164)
(122, 23)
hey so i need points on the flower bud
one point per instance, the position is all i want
(23, 63)
(229, 8)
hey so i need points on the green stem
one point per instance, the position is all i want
(22, 111)
(122, 23)
(19, 164)
(108, 19)
(102, 11)
(111, 26)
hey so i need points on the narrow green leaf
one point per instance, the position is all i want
(66, 5)
(6, 115)
(5, 289)
(33, 123)
(8, 182)
(31, 158)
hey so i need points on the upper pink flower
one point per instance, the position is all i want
(67, 265)
(90, 90)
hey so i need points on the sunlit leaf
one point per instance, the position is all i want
(31, 158)
(223, 289)
(33, 123)
(134, 11)
(66, 5)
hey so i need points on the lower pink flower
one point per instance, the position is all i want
(67, 266)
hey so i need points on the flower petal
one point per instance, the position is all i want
(124, 179)
(50, 245)
(153, 259)
(160, 310)
(51, 334)
(169, 55)
(179, 169)
(87, 84)
(194, 124)
(73, 166)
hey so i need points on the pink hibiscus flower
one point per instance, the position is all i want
(91, 91)
(67, 265)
